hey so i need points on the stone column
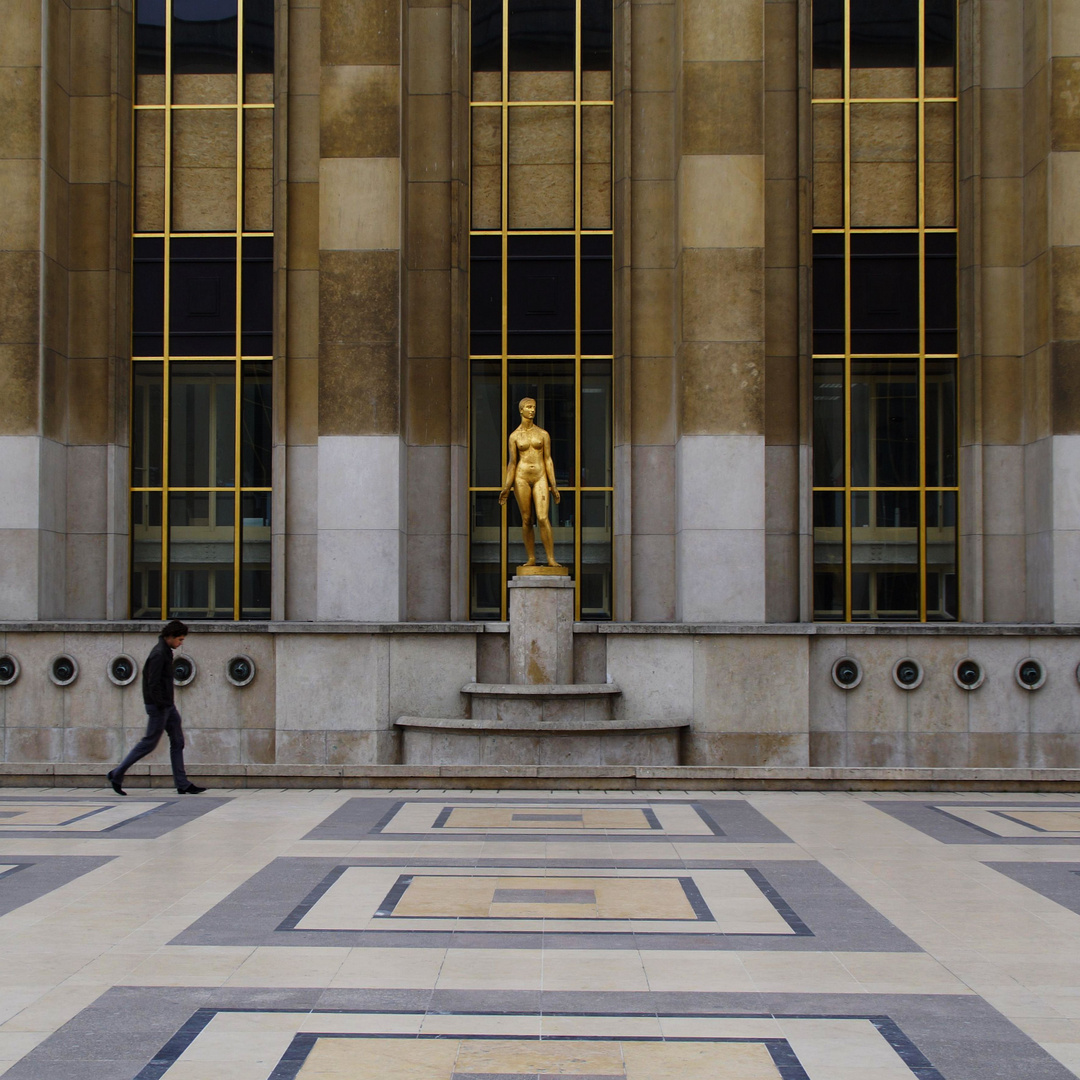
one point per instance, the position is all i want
(541, 630)
(720, 454)
(361, 461)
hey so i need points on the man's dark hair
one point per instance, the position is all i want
(174, 629)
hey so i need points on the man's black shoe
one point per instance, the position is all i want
(115, 784)
(191, 789)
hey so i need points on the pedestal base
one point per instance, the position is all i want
(542, 571)
(542, 627)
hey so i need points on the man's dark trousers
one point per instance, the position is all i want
(160, 720)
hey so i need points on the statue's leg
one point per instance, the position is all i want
(523, 494)
(541, 495)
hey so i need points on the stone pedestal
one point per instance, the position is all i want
(541, 630)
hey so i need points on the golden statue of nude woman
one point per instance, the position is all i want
(531, 473)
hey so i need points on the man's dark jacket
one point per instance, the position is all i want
(157, 676)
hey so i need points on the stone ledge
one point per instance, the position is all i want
(621, 777)
(541, 689)
(552, 727)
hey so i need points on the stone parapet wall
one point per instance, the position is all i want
(327, 695)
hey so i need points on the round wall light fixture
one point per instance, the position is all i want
(9, 669)
(1030, 673)
(240, 670)
(183, 671)
(968, 674)
(847, 673)
(122, 670)
(63, 669)
(907, 673)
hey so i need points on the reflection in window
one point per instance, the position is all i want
(540, 282)
(202, 310)
(884, 321)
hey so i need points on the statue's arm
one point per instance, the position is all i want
(549, 467)
(511, 470)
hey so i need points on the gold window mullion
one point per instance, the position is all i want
(504, 269)
(848, 516)
(577, 309)
(920, 157)
(167, 280)
(238, 365)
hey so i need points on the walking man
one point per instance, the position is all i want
(157, 683)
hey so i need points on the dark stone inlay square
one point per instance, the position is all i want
(933, 819)
(544, 896)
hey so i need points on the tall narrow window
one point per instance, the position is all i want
(202, 309)
(885, 310)
(541, 282)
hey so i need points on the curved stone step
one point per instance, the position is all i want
(544, 703)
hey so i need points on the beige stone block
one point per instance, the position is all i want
(782, 400)
(940, 194)
(828, 195)
(541, 196)
(91, 130)
(541, 135)
(20, 194)
(90, 225)
(359, 389)
(883, 132)
(304, 50)
(1002, 411)
(541, 86)
(1045, 115)
(428, 316)
(652, 311)
(723, 108)
(729, 31)
(652, 232)
(302, 325)
(486, 197)
(303, 139)
(723, 388)
(428, 133)
(20, 291)
(1001, 40)
(1065, 387)
(486, 147)
(430, 48)
(1064, 172)
(149, 171)
(18, 389)
(781, 134)
(487, 86)
(89, 405)
(1003, 324)
(828, 83)
(302, 387)
(55, 218)
(203, 199)
(653, 401)
(722, 201)
(1003, 134)
(20, 105)
(259, 88)
(91, 59)
(1064, 103)
(596, 196)
(204, 138)
(302, 249)
(359, 293)
(150, 90)
(428, 391)
(653, 56)
(259, 200)
(429, 225)
(1036, 211)
(89, 319)
(359, 112)
(360, 32)
(20, 44)
(204, 88)
(1036, 395)
(781, 311)
(1065, 283)
(722, 294)
(781, 223)
(883, 82)
(359, 204)
(781, 46)
(595, 134)
(652, 150)
(1064, 28)
(596, 86)
(884, 194)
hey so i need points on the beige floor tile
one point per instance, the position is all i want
(589, 969)
(477, 969)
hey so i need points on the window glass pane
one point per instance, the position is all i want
(941, 434)
(148, 296)
(596, 35)
(596, 167)
(256, 434)
(486, 38)
(885, 423)
(828, 293)
(485, 295)
(146, 555)
(594, 585)
(150, 170)
(258, 170)
(255, 555)
(884, 293)
(201, 530)
(202, 425)
(828, 36)
(561, 518)
(150, 52)
(488, 453)
(597, 298)
(541, 173)
(942, 590)
(828, 423)
(202, 297)
(828, 555)
(828, 133)
(204, 170)
(485, 516)
(884, 34)
(885, 554)
(204, 43)
(542, 35)
(550, 383)
(486, 168)
(940, 51)
(257, 323)
(541, 295)
(146, 425)
(941, 288)
(258, 50)
(884, 170)
(596, 435)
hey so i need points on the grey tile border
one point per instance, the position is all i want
(732, 821)
(927, 818)
(263, 910)
(1056, 881)
(39, 875)
(136, 1031)
(161, 816)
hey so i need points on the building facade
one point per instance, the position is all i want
(794, 284)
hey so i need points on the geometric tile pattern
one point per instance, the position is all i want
(1013, 822)
(1056, 881)
(34, 876)
(134, 818)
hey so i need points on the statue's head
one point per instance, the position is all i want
(524, 402)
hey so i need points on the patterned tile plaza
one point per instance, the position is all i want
(513, 936)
